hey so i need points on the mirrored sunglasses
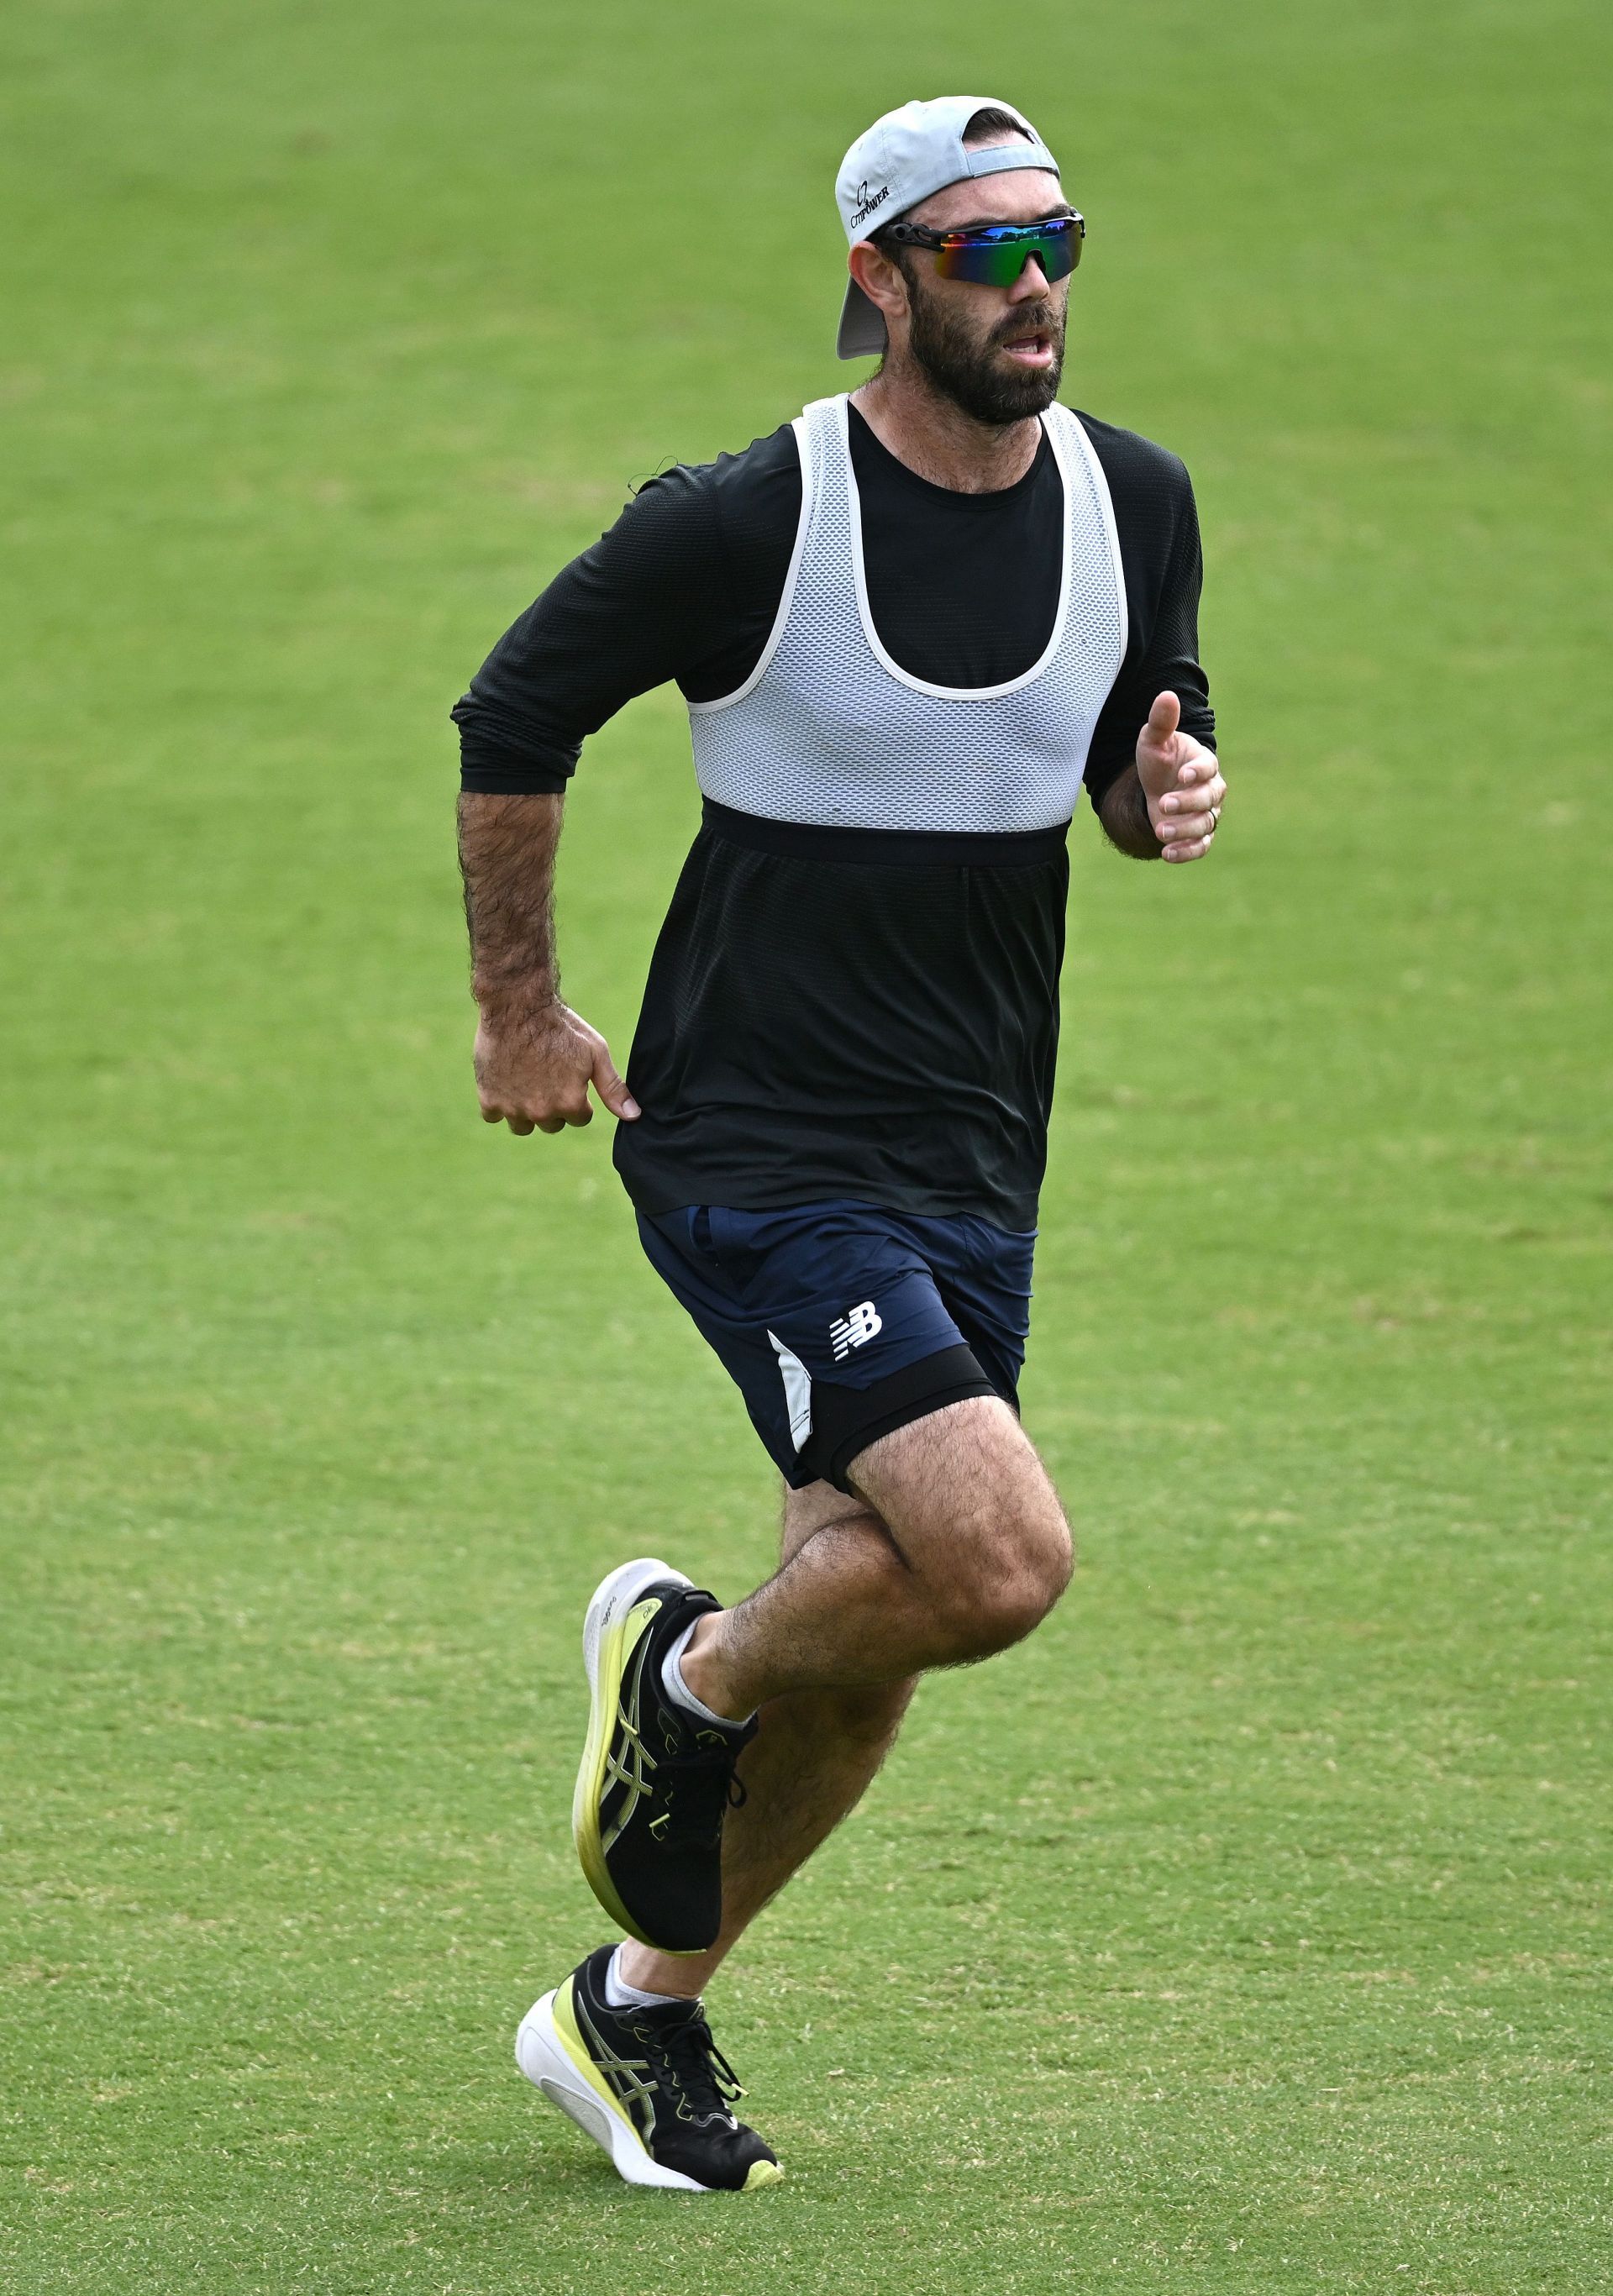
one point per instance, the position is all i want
(995, 256)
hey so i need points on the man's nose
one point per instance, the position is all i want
(1031, 284)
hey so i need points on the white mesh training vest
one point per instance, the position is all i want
(828, 729)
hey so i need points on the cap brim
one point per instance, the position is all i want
(862, 329)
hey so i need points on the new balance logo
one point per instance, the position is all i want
(854, 1329)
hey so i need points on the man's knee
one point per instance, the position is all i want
(974, 1516)
(1014, 1574)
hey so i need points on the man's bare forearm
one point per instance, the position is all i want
(535, 1058)
(506, 856)
(1123, 810)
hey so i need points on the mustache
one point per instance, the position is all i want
(1029, 319)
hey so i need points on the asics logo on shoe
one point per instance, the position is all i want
(644, 1761)
(624, 2074)
(629, 1763)
(650, 2087)
(854, 1329)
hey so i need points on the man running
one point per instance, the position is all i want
(909, 625)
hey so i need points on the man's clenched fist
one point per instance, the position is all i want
(534, 1066)
(1182, 782)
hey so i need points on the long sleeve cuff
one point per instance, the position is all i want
(494, 761)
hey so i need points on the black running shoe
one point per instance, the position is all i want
(656, 1781)
(651, 2085)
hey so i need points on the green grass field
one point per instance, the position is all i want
(1242, 1930)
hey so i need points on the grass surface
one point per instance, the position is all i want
(1240, 1931)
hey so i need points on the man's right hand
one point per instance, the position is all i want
(534, 1067)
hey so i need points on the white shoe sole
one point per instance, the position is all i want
(603, 1636)
(543, 2056)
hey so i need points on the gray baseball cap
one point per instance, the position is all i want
(902, 158)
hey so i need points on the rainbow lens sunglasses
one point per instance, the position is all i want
(996, 254)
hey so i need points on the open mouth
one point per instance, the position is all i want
(1033, 349)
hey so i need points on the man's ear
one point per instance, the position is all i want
(880, 279)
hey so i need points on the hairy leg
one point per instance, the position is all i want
(810, 1762)
(960, 1549)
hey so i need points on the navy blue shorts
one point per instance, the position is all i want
(840, 1322)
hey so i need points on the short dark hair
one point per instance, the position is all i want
(987, 125)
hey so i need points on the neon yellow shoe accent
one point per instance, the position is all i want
(616, 1648)
(576, 2048)
(569, 2035)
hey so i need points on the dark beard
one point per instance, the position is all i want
(959, 366)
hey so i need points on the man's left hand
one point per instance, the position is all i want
(1181, 780)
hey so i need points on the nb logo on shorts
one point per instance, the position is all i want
(854, 1329)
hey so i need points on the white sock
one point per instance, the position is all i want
(620, 1995)
(678, 1690)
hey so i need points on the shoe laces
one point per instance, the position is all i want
(696, 1788)
(691, 2064)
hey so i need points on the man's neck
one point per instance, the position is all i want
(934, 436)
